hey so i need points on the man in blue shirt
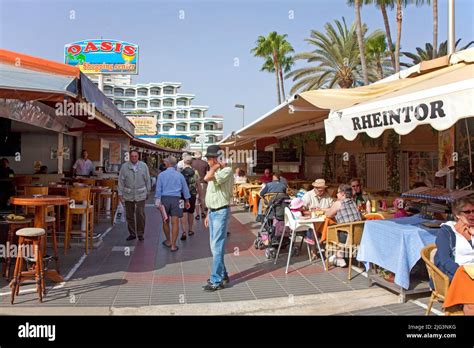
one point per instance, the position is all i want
(274, 186)
(171, 188)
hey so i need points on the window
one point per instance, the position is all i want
(181, 127)
(195, 127)
(142, 91)
(195, 113)
(155, 91)
(181, 114)
(129, 105)
(118, 92)
(167, 127)
(118, 103)
(142, 104)
(108, 90)
(210, 126)
(168, 102)
(168, 115)
(130, 93)
(155, 103)
(211, 139)
(168, 90)
(182, 102)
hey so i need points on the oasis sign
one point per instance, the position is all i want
(102, 56)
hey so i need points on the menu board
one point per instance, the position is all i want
(264, 160)
(286, 156)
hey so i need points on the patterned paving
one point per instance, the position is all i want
(149, 274)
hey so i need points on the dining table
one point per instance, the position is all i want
(41, 202)
(395, 245)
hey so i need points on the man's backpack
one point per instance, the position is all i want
(190, 176)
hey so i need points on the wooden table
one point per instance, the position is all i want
(40, 203)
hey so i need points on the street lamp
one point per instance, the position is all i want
(241, 106)
(202, 140)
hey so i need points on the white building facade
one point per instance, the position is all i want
(174, 111)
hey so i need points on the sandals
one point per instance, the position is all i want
(190, 233)
(166, 245)
(197, 217)
(183, 236)
(173, 250)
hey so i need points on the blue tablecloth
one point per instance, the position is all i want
(395, 245)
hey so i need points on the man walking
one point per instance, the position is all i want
(170, 186)
(219, 193)
(133, 186)
(202, 167)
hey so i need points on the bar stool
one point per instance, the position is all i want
(13, 226)
(34, 237)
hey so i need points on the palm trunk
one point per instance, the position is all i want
(435, 28)
(399, 36)
(360, 39)
(379, 68)
(275, 63)
(282, 83)
(387, 33)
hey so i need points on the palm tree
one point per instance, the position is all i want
(383, 4)
(357, 4)
(285, 63)
(274, 48)
(429, 52)
(435, 26)
(377, 53)
(337, 56)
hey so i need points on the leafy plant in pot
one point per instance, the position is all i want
(387, 275)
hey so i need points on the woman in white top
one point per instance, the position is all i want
(455, 242)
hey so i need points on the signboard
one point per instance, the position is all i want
(446, 148)
(286, 156)
(114, 153)
(145, 125)
(264, 161)
(102, 56)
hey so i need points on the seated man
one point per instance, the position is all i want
(274, 186)
(267, 176)
(343, 210)
(318, 198)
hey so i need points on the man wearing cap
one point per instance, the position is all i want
(220, 182)
(170, 186)
(318, 198)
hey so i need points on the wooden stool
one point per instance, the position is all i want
(13, 226)
(51, 226)
(34, 237)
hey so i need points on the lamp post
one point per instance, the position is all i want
(241, 106)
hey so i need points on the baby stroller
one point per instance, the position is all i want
(273, 222)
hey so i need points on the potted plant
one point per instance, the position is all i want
(387, 275)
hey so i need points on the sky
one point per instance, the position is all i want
(205, 44)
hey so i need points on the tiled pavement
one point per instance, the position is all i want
(132, 274)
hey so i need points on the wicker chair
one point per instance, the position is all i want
(354, 235)
(440, 281)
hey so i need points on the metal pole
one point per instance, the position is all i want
(243, 117)
(451, 27)
(101, 82)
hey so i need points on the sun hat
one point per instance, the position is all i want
(296, 203)
(319, 183)
(213, 151)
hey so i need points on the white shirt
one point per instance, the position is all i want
(83, 167)
(463, 252)
(180, 166)
(311, 200)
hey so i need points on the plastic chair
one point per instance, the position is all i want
(354, 235)
(296, 226)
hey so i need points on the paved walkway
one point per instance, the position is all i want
(121, 277)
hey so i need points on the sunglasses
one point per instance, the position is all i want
(467, 212)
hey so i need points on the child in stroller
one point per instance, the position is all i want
(273, 224)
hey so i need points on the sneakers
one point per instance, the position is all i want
(213, 287)
(332, 259)
(341, 263)
(225, 281)
(131, 237)
(141, 239)
(308, 241)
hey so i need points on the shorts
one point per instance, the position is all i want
(171, 204)
(192, 203)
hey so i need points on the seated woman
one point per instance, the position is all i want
(240, 177)
(455, 244)
(343, 210)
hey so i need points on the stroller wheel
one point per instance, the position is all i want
(261, 246)
(256, 243)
